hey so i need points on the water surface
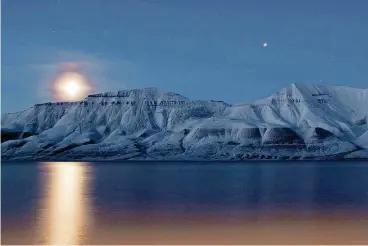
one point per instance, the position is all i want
(184, 203)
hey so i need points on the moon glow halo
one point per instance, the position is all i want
(71, 86)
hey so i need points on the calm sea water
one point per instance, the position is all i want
(184, 203)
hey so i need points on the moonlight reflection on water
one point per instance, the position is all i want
(64, 215)
(184, 203)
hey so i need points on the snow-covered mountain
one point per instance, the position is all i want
(298, 122)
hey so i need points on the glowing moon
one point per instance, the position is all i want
(265, 44)
(71, 86)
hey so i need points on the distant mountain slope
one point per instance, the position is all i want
(298, 122)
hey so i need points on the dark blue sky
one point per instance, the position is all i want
(203, 49)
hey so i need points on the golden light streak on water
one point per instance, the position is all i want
(65, 217)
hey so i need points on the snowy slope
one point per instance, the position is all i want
(299, 121)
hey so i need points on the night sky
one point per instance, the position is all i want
(202, 49)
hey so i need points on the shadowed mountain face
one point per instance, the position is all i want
(298, 122)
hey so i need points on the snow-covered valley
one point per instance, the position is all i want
(298, 122)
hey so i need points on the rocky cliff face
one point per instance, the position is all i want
(298, 122)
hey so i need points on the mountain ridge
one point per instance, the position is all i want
(298, 121)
